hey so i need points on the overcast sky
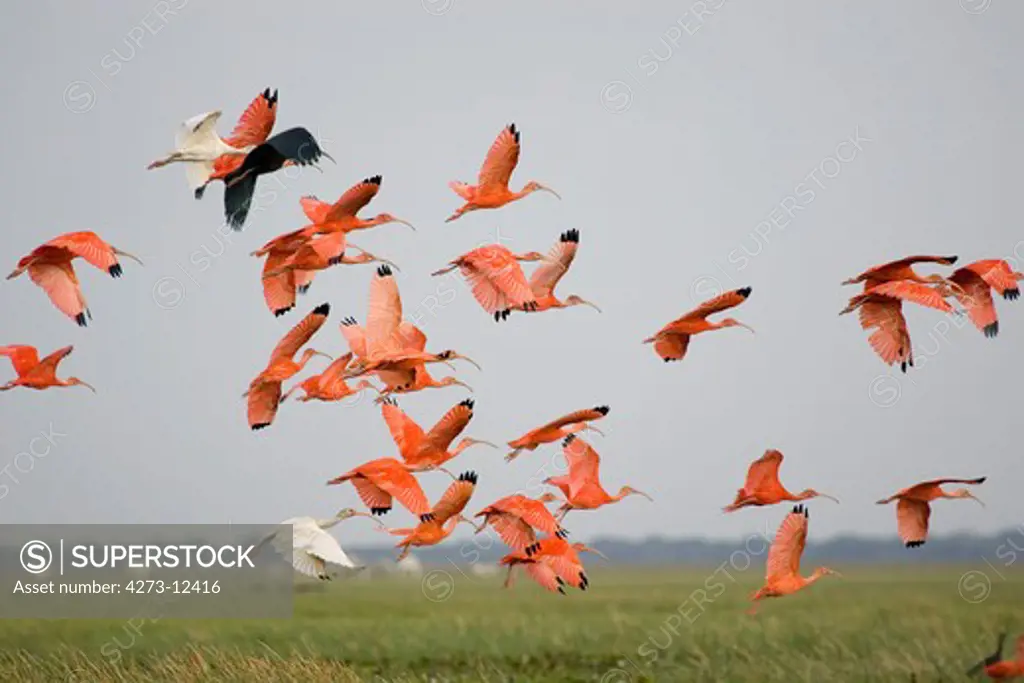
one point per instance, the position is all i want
(695, 152)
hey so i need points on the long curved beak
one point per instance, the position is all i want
(590, 427)
(545, 188)
(596, 552)
(93, 390)
(324, 153)
(746, 327)
(641, 493)
(825, 495)
(593, 305)
(405, 223)
(392, 264)
(975, 498)
(485, 443)
(468, 360)
(463, 384)
(325, 355)
(125, 253)
(369, 516)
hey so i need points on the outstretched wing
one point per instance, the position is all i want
(455, 498)
(763, 470)
(263, 400)
(335, 371)
(385, 313)
(914, 292)
(585, 415)
(301, 333)
(912, 521)
(296, 145)
(718, 304)
(88, 246)
(256, 122)
(354, 335)
(501, 159)
(198, 130)
(408, 435)
(451, 425)
(788, 546)
(548, 273)
(401, 484)
(354, 199)
(54, 359)
(23, 357)
(976, 298)
(584, 463)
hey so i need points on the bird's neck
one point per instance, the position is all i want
(328, 523)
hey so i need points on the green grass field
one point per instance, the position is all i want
(631, 626)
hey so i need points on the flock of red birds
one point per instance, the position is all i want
(394, 352)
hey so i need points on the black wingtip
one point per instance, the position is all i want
(349, 321)
(990, 331)
(980, 480)
(379, 511)
(571, 235)
(602, 409)
(469, 403)
(745, 291)
(568, 439)
(468, 476)
(198, 193)
(374, 180)
(302, 289)
(1011, 294)
(914, 544)
(389, 401)
(322, 309)
(260, 425)
(281, 311)
(429, 517)
(384, 271)
(952, 259)
(80, 319)
(798, 509)
(115, 270)
(562, 533)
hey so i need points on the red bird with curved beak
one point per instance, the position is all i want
(38, 374)
(671, 341)
(491, 190)
(264, 392)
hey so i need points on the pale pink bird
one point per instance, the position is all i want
(496, 278)
(49, 266)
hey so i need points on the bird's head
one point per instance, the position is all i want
(470, 441)
(630, 491)
(534, 186)
(451, 355)
(944, 286)
(383, 218)
(965, 493)
(811, 493)
(573, 300)
(347, 513)
(453, 381)
(309, 353)
(74, 381)
(825, 571)
(531, 256)
(549, 497)
(732, 322)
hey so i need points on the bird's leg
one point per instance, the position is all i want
(403, 554)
